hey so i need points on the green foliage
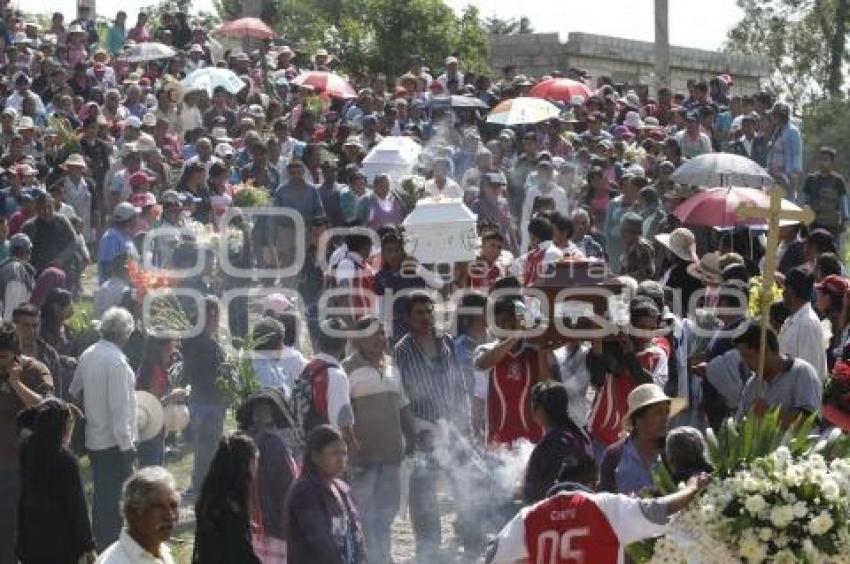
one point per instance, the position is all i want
(236, 379)
(82, 330)
(796, 36)
(155, 12)
(507, 26)
(372, 36)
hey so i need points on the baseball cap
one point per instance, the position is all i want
(124, 212)
(140, 177)
(223, 150)
(451, 60)
(834, 284)
(20, 241)
(143, 199)
(170, 197)
(277, 304)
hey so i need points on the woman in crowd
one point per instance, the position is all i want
(153, 377)
(263, 416)
(686, 454)
(57, 309)
(223, 513)
(52, 499)
(627, 465)
(562, 438)
(323, 526)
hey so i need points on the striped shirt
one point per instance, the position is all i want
(435, 386)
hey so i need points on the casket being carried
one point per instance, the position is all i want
(440, 231)
(577, 299)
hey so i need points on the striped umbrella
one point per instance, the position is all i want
(327, 82)
(521, 111)
(561, 89)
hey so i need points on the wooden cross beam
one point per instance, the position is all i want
(773, 214)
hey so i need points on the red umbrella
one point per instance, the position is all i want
(561, 89)
(246, 27)
(716, 207)
(327, 82)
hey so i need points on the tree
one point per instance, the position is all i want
(804, 41)
(511, 26)
(377, 35)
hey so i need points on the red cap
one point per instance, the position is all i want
(834, 284)
(139, 178)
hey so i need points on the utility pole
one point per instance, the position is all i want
(662, 46)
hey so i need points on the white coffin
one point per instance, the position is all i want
(441, 231)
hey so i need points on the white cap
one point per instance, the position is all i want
(224, 150)
(133, 121)
(124, 211)
(451, 60)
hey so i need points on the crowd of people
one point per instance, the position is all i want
(114, 173)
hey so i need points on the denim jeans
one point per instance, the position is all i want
(10, 489)
(152, 451)
(109, 471)
(207, 420)
(425, 511)
(376, 488)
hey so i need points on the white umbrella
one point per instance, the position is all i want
(210, 78)
(396, 156)
(150, 51)
(722, 169)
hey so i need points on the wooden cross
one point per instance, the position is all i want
(773, 214)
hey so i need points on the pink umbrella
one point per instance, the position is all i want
(246, 27)
(716, 207)
(327, 82)
(561, 89)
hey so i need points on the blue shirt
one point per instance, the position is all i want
(785, 155)
(269, 374)
(113, 243)
(632, 475)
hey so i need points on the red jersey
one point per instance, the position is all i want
(482, 276)
(358, 277)
(574, 528)
(605, 421)
(509, 399)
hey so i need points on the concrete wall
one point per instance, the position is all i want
(624, 60)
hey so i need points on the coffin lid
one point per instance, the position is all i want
(445, 210)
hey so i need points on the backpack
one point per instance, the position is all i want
(310, 397)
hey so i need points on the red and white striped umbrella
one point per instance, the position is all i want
(561, 89)
(327, 82)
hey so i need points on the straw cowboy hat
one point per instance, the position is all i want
(681, 243)
(75, 159)
(646, 395)
(708, 270)
(149, 415)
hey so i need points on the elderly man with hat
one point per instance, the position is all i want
(680, 256)
(118, 239)
(785, 155)
(78, 190)
(53, 237)
(22, 83)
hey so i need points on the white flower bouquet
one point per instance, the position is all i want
(777, 509)
(779, 495)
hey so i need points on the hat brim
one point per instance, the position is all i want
(695, 269)
(147, 402)
(664, 239)
(677, 405)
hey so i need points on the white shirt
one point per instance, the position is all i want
(450, 190)
(127, 551)
(109, 399)
(802, 337)
(292, 364)
(340, 413)
(551, 255)
(551, 190)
